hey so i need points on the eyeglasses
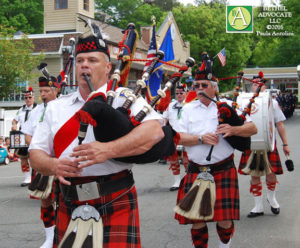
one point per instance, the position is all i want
(179, 93)
(27, 97)
(203, 85)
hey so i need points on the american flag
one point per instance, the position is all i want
(152, 50)
(222, 57)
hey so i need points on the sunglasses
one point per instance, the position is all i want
(27, 97)
(179, 93)
(203, 85)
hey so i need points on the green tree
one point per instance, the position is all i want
(271, 51)
(166, 5)
(16, 60)
(132, 11)
(288, 51)
(142, 16)
(120, 11)
(26, 16)
(204, 27)
(198, 2)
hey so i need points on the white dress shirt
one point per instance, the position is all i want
(20, 116)
(199, 119)
(62, 109)
(173, 113)
(32, 122)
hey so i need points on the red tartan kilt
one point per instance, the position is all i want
(273, 157)
(227, 206)
(120, 219)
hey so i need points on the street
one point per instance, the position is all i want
(21, 227)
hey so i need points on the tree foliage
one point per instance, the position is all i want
(26, 16)
(16, 60)
(120, 11)
(204, 27)
(278, 50)
(166, 5)
(124, 12)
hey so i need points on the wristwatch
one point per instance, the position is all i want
(200, 139)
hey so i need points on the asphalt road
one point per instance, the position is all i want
(20, 225)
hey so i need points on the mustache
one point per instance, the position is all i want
(200, 93)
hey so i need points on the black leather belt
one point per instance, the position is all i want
(105, 184)
(225, 164)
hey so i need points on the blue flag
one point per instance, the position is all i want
(156, 77)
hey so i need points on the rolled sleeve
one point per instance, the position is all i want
(42, 138)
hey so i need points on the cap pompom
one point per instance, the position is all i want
(30, 89)
(261, 74)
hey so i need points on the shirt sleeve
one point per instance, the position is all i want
(166, 113)
(17, 117)
(42, 138)
(278, 114)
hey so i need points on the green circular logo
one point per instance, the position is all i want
(239, 18)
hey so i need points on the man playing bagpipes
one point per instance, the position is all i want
(21, 117)
(97, 204)
(172, 116)
(209, 191)
(270, 163)
(39, 188)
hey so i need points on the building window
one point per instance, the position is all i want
(61, 4)
(86, 5)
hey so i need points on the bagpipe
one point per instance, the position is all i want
(226, 113)
(128, 46)
(110, 124)
(198, 203)
(61, 81)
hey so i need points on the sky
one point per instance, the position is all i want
(231, 2)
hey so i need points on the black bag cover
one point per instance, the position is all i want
(229, 116)
(115, 123)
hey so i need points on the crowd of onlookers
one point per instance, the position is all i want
(288, 102)
(5, 143)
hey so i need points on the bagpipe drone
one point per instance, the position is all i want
(226, 113)
(109, 123)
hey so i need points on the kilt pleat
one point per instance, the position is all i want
(227, 205)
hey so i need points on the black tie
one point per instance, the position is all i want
(178, 108)
(26, 115)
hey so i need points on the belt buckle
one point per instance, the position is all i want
(205, 174)
(204, 169)
(87, 191)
